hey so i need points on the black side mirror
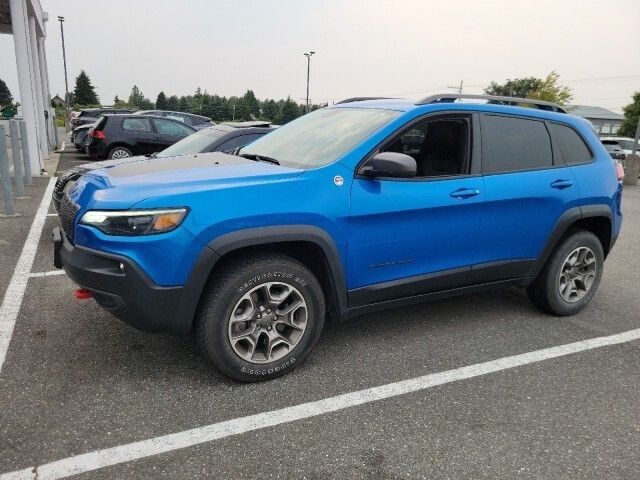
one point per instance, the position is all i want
(391, 164)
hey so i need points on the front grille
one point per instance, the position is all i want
(68, 211)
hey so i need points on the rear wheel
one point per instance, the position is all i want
(571, 275)
(119, 152)
(260, 317)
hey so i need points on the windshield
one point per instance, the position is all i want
(197, 142)
(320, 137)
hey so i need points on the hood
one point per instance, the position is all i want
(123, 183)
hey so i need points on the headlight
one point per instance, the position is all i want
(134, 222)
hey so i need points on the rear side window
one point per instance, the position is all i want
(574, 149)
(511, 144)
(137, 125)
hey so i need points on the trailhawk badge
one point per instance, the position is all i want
(338, 180)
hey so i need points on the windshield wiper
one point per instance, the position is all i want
(259, 158)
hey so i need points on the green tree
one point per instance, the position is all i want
(161, 102)
(548, 89)
(289, 111)
(250, 105)
(137, 99)
(5, 94)
(631, 115)
(172, 103)
(519, 87)
(269, 110)
(84, 93)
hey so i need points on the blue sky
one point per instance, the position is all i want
(374, 47)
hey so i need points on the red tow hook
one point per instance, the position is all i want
(83, 293)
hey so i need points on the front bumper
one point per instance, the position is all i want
(120, 286)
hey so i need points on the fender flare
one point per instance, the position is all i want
(206, 261)
(568, 218)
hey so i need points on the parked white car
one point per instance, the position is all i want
(625, 143)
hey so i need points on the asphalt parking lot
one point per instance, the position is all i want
(77, 381)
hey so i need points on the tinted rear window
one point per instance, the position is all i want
(512, 144)
(136, 124)
(574, 149)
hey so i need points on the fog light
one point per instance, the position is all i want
(121, 267)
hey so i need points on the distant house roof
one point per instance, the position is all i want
(586, 111)
(58, 102)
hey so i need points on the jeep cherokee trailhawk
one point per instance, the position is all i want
(363, 205)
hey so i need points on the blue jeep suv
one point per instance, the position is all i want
(357, 207)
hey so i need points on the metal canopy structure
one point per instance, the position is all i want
(25, 20)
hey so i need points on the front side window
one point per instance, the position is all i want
(574, 150)
(320, 137)
(137, 125)
(512, 144)
(440, 147)
(174, 129)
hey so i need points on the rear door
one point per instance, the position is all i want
(138, 134)
(528, 188)
(169, 132)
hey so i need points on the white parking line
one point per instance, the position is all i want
(50, 273)
(15, 291)
(90, 461)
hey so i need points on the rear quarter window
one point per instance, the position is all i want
(573, 148)
(512, 144)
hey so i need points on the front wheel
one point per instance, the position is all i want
(260, 316)
(571, 276)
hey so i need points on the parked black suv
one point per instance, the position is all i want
(196, 121)
(91, 115)
(121, 136)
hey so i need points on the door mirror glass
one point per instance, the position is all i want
(391, 164)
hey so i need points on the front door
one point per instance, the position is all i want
(408, 237)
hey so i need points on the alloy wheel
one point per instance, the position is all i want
(267, 322)
(577, 274)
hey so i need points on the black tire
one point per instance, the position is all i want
(228, 286)
(544, 292)
(113, 151)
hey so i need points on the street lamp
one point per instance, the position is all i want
(64, 60)
(66, 81)
(308, 55)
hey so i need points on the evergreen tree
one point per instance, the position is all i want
(84, 92)
(631, 115)
(137, 99)
(269, 110)
(172, 103)
(161, 102)
(290, 111)
(249, 106)
(5, 94)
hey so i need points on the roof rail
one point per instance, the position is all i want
(359, 99)
(452, 97)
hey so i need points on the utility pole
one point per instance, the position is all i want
(459, 88)
(308, 55)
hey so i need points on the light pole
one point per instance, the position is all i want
(64, 61)
(308, 55)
